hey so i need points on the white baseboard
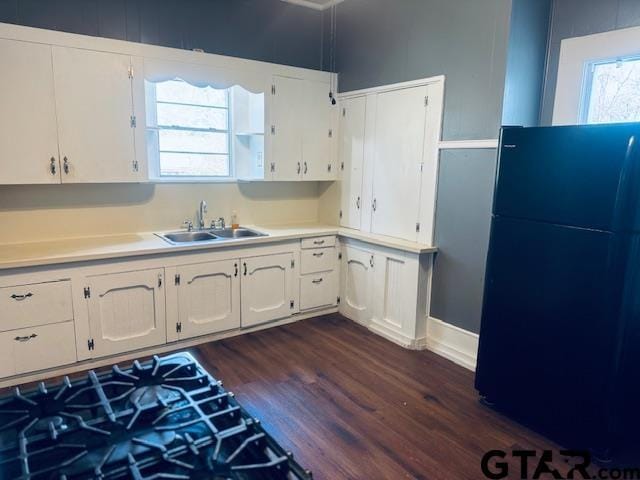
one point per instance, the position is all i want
(397, 337)
(453, 343)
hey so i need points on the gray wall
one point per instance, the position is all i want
(388, 41)
(268, 30)
(526, 58)
(574, 18)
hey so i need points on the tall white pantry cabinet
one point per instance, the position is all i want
(388, 156)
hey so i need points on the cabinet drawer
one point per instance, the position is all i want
(319, 242)
(318, 260)
(36, 304)
(319, 290)
(37, 348)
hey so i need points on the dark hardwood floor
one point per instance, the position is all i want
(351, 405)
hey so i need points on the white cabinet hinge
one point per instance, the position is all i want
(340, 256)
(179, 327)
(330, 133)
(340, 214)
(273, 89)
(338, 300)
(134, 121)
(273, 166)
(177, 279)
(91, 344)
(87, 292)
(293, 263)
(426, 101)
(344, 112)
(130, 71)
(421, 167)
(135, 166)
(418, 227)
(291, 304)
(273, 129)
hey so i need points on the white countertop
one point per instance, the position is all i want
(31, 254)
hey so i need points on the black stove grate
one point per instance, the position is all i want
(162, 419)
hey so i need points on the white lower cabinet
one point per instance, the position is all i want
(126, 311)
(386, 290)
(357, 284)
(37, 348)
(206, 296)
(267, 288)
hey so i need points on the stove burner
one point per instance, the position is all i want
(165, 418)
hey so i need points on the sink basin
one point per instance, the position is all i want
(206, 236)
(189, 237)
(237, 233)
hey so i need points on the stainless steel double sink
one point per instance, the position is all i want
(198, 237)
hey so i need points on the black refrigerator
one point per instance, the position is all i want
(560, 334)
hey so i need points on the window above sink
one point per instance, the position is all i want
(200, 133)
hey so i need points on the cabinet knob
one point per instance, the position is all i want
(298, 167)
(52, 166)
(65, 165)
(305, 168)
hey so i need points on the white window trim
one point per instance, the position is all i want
(576, 55)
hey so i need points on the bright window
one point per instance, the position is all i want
(189, 129)
(612, 92)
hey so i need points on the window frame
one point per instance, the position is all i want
(154, 157)
(577, 54)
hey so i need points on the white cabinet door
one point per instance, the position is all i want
(318, 136)
(208, 298)
(94, 102)
(357, 284)
(28, 130)
(399, 145)
(287, 127)
(126, 311)
(351, 160)
(267, 288)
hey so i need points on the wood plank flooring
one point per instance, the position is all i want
(351, 405)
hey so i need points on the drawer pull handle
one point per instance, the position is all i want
(318, 242)
(318, 280)
(318, 254)
(235, 266)
(25, 339)
(19, 298)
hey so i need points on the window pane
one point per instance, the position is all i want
(193, 142)
(171, 115)
(178, 91)
(194, 165)
(615, 92)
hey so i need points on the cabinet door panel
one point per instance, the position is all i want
(351, 160)
(399, 145)
(286, 141)
(267, 288)
(317, 139)
(94, 104)
(357, 284)
(127, 311)
(209, 298)
(28, 130)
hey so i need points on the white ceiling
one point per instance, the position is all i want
(315, 4)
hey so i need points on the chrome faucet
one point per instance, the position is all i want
(203, 210)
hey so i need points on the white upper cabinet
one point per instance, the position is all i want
(318, 139)
(351, 160)
(267, 288)
(287, 128)
(96, 117)
(302, 130)
(399, 141)
(28, 131)
(208, 297)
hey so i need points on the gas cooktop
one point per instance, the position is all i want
(166, 418)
